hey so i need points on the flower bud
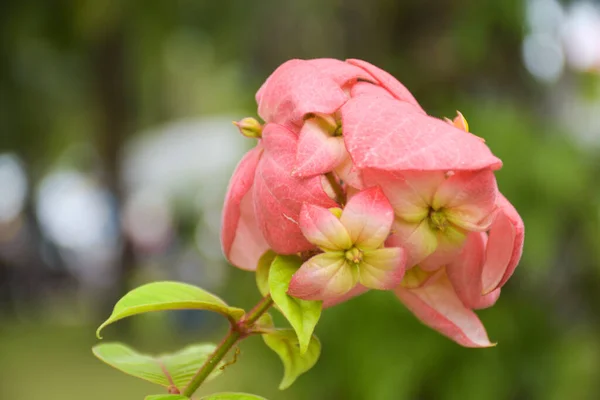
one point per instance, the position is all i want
(459, 122)
(249, 127)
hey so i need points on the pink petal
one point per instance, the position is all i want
(296, 89)
(356, 291)
(468, 199)
(242, 241)
(368, 89)
(410, 193)
(392, 135)
(504, 247)
(368, 217)
(447, 250)
(318, 152)
(382, 269)
(323, 228)
(349, 174)
(279, 196)
(465, 274)
(340, 71)
(487, 300)
(388, 82)
(324, 276)
(437, 306)
(417, 239)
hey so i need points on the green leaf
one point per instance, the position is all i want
(167, 397)
(169, 370)
(303, 315)
(232, 396)
(262, 271)
(161, 296)
(284, 342)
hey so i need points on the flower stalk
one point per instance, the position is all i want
(236, 333)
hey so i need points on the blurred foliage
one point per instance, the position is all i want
(92, 72)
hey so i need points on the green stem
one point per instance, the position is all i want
(259, 309)
(236, 332)
(228, 342)
(337, 189)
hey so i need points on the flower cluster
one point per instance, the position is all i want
(351, 173)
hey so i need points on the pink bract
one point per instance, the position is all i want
(437, 305)
(397, 136)
(278, 195)
(241, 239)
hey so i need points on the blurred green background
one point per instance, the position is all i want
(117, 144)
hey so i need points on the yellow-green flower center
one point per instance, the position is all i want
(438, 220)
(354, 255)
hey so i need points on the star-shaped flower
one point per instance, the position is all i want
(352, 242)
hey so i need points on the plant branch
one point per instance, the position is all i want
(259, 309)
(236, 332)
(208, 367)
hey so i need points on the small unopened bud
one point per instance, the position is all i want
(249, 127)
(459, 122)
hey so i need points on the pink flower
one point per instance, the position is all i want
(445, 299)
(352, 248)
(336, 130)
(436, 210)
